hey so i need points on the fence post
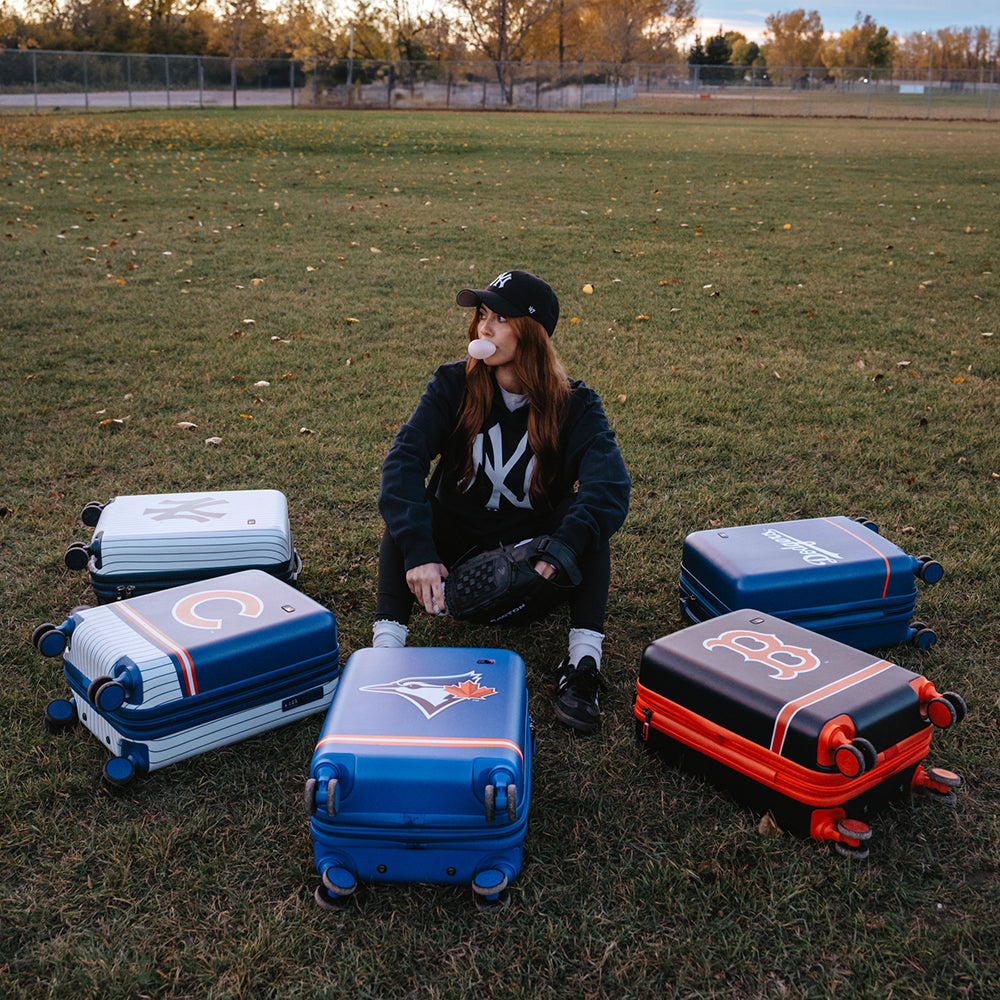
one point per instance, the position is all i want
(166, 77)
(291, 81)
(232, 79)
(753, 95)
(201, 82)
(128, 79)
(34, 77)
(86, 86)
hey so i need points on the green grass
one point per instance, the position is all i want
(789, 318)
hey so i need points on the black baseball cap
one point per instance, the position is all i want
(516, 293)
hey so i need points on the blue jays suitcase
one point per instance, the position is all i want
(144, 543)
(422, 772)
(832, 575)
(164, 676)
(814, 731)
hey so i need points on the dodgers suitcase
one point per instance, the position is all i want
(832, 575)
(816, 732)
(145, 543)
(168, 675)
(422, 772)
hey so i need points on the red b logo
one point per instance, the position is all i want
(787, 662)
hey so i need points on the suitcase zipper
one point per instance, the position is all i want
(648, 716)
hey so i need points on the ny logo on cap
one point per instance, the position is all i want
(501, 280)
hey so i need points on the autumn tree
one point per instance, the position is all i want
(637, 31)
(793, 41)
(742, 51)
(501, 30)
(863, 45)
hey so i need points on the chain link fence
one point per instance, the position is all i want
(38, 80)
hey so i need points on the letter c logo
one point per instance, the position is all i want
(185, 610)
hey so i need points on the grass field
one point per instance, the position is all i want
(788, 318)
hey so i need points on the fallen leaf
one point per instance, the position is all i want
(213, 440)
(256, 281)
(246, 416)
(249, 321)
(260, 383)
(186, 425)
(306, 430)
(588, 289)
(622, 397)
(767, 827)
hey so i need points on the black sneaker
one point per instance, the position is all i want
(576, 694)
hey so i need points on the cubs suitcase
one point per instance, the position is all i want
(422, 772)
(832, 575)
(146, 543)
(168, 675)
(816, 732)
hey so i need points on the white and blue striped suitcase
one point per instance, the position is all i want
(144, 543)
(164, 676)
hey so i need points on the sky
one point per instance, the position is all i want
(901, 17)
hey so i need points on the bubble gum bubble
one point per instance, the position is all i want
(481, 349)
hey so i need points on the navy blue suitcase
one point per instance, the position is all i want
(816, 732)
(422, 772)
(833, 575)
(144, 543)
(164, 676)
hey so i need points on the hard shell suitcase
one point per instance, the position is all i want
(816, 732)
(422, 772)
(146, 543)
(162, 677)
(832, 575)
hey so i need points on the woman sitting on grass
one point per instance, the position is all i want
(524, 452)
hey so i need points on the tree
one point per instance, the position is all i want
(636, 31)
(861, 46)
(793, 41)
(500, 30)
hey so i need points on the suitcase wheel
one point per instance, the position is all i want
(854, 758)
(924, 637)
(855, 833)
(109, 696)
(310, 799)
(870, 525)
(77, 556)
(942, 711)
(60, 715)
(339, 881)
(490, 796)
(958, 703)
(326, 900)
(930, 570)
(36, 636)
(94, 687)
(938, 784)
(118, 772)
(488, 890)
(91, 513)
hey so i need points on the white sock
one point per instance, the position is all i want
(583, 642)
(389, 634)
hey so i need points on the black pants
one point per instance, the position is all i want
(587, 602)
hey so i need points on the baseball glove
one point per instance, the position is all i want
(502, 584)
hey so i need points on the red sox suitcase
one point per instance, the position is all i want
(164, 676)
(816, 732)
(422, 772)
(832, 575)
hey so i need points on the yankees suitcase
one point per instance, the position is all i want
(816, 732)
(832, 575)
(146, 543)
(422, 772)
(168, 675)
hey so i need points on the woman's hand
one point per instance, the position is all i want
(542, 568)
(426, 584)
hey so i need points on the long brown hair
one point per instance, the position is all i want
(544, 381)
